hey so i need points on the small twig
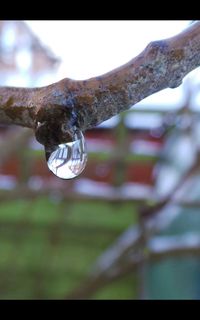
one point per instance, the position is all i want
(109, 263)
(158, 248)
(169, 246)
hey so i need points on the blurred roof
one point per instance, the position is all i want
(14, 34)
(24, 60)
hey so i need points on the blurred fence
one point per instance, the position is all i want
(127, 227)
(140, 180)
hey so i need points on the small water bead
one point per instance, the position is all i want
(69, 159)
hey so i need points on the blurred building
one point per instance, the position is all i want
(24, 60)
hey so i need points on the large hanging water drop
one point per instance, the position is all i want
(69, 159)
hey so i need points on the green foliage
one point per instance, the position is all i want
(125, 288)
(48, 247)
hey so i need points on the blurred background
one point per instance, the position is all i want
(129, 226)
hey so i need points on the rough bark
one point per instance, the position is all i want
(53, 110)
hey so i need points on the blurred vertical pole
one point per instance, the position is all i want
(121, 157)
(121, 152)
(143, 266)
(25, 162)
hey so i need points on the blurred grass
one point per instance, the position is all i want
(48, 247)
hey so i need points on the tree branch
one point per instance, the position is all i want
(158, 248)
(59, 106)
(113, 262)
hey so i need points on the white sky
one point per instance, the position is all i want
(91, 48)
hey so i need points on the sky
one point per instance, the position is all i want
(92, 48)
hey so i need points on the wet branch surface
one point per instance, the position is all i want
(53, 110)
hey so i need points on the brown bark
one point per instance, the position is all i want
(54, 109)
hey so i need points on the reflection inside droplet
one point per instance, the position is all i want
(69, 159)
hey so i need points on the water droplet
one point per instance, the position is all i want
(69, 159)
